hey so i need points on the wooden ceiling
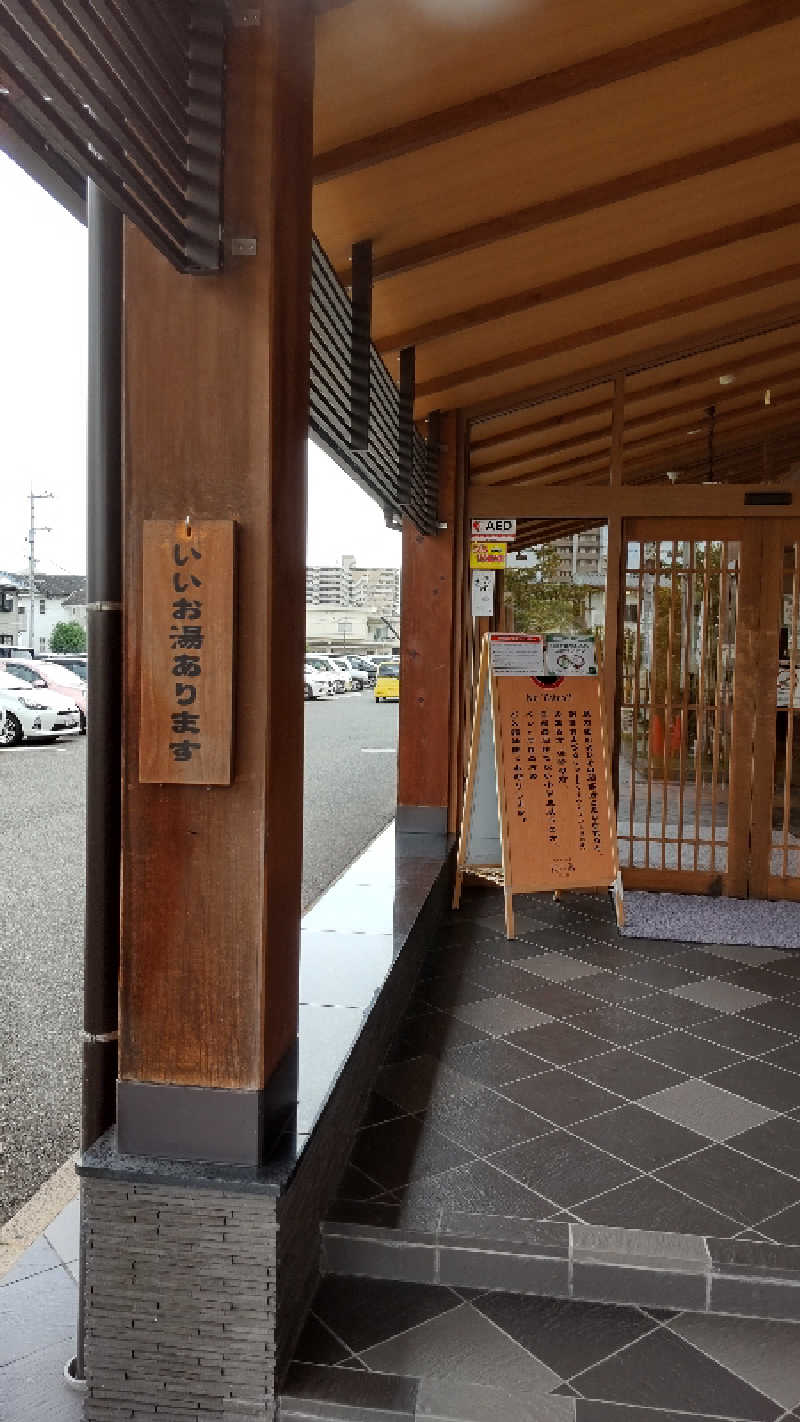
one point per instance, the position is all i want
(559, 193)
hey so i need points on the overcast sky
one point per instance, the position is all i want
(43, 402)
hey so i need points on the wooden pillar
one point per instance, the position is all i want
(427, 650)
(615, 583)
(216, 419)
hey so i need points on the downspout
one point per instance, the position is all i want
(104, 711)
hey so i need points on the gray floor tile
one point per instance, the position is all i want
(346, 1392)
(647, 1203)
(763, 1353)
(398, 1151)
(566, 1335)
(35, 1313)
(563, 1168)
(761, 1082)
(784, 1227)
(727, 1181)
(688, 1053)
(629, 1073)
(482, 1121)
(63, 1233)
(33, 1389)
(752, 954)
(783, 1015)
(662, 1371)
(777, 1143)
(493, 1061)
(500, 1015)
(413, 1084)
(787, 1057)
(465, 1345)
(742, 1035)
(479, 1188)
(703, 1107)
(35, 1260)
(365, 1312)
(723, 996)
(638, 1136)
(560, 1043)
(451, 1400)
(561, 1097)
(558, 967)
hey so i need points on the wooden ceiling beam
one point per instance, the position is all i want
(778, 318)
(636, 321)
(582, 200)
(771, 380)
(543, 90)
(600, 501)
(562, 470)
(578, 282)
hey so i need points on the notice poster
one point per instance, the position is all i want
(571, 656)
(482, 594)
(487, 554)
(555, 789)
(504, 529)
(788, 686)
(514, 654)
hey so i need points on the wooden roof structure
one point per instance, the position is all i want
(585, 221)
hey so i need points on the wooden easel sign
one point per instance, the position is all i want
(538, 808)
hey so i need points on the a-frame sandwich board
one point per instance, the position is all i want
(538, 802)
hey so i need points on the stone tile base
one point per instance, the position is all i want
(180, 1303)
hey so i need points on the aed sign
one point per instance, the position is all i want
(500, 529)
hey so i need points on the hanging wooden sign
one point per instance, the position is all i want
(538, 807)
(186, 677)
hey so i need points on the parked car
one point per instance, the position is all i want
(357, 677)
(317, 684)
(387, 686)
(323, 663)
(54, 677)
(77, 662)
(367, 666)
(34, 713)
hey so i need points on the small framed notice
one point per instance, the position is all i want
(187, 634)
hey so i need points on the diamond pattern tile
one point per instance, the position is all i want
(707, 1109)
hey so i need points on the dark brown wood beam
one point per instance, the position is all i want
(539, 92)
(583, 200)
(636, 265)
(608, 330)
(600, 501)
(729, 333)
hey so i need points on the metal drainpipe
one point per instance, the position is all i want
(104, 712)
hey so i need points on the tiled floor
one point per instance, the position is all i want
(38, 1312)
(572, 1074)
(417, 1350)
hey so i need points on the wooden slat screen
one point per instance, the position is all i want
(376, 468)
(129, 93)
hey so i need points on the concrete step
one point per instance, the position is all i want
(563, 1259)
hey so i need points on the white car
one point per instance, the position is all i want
(320, 662)
(317, 684)
(33, 714)
(357, 678)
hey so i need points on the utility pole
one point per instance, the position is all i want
(32, 532)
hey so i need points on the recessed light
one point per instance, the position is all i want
(727, 379)
(693, 432)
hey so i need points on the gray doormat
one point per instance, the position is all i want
(694, 918)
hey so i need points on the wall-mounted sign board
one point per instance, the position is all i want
(186, 640)
(503, 530)
(538, 806)
(487, 554)
(482, 593)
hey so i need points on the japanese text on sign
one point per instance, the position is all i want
(186, 653)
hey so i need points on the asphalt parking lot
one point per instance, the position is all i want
(349, 796)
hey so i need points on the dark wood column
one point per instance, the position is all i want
(427, 650)
(216, 417)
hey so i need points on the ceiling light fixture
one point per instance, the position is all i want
(727, 379)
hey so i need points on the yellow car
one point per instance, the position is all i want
(387, 685)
